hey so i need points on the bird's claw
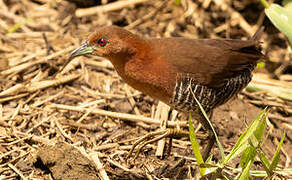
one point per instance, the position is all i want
(156, 136)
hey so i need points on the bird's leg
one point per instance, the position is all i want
(156, 136)
(211, 135)
(211, 141)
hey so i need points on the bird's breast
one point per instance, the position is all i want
(155, 78)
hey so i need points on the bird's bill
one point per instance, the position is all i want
(85, 48)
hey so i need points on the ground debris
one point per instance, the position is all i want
(66, 162)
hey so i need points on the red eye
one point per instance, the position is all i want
(101, 42)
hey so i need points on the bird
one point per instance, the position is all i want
(178, 70)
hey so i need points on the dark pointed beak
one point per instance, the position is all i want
(85, 48)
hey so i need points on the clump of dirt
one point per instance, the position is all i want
(65, 162)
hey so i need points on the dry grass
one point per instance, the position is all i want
(89, 107)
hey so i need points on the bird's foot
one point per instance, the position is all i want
(156, 136)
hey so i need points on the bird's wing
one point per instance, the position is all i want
(209, 61)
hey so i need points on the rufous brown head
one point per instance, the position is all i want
(111, 42)
(106, 42)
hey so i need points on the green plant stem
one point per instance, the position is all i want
(265, 3)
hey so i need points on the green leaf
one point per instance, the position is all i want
(276, 156)
(17, 26)
(281, 18)
(248, 156)
(258, 173)
(251, 88)
(261, 65)
(259, 133)
(282, 92)
(177, 2)
(265, 3)
(207, 118)
(287, 5)
(246, 135)
(195, 145)
(245, 172)
(241, 149)
(265, 162)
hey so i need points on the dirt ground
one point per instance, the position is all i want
(81, 123)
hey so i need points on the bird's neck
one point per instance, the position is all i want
(135, 44)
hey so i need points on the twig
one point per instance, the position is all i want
(108, 7)
(59, 126)
(17, 141)
(38, 124)
(13, 97)
(35, 86)
(18, 157)
(49, 47)
(17, 171)
(12, 151)
(99, 165)
(119, 165)
(129, 117)
(90, 127)
(16, 111)
(133, 104)
(148, 16)
(27, 35)
(163, 115)
(96, 94)
(131, 100)
(50, 98)
(37, 139)
(24, 66)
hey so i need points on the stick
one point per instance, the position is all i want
(125, 116)
(106, 8)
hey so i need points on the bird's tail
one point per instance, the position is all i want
(254, 47)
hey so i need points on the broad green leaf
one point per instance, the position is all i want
(245, 173)
(259, 132)
(246, 135)
(239, 151)
(276, 156)
(195, 146)
(265, 162)
(281, 18)
(248, 156)
(256, 139)
(287, 5)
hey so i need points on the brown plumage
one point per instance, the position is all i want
(174, 70)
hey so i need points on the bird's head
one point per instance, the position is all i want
(108, 42)
(111, 42)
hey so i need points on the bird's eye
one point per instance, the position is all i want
(101, 42)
